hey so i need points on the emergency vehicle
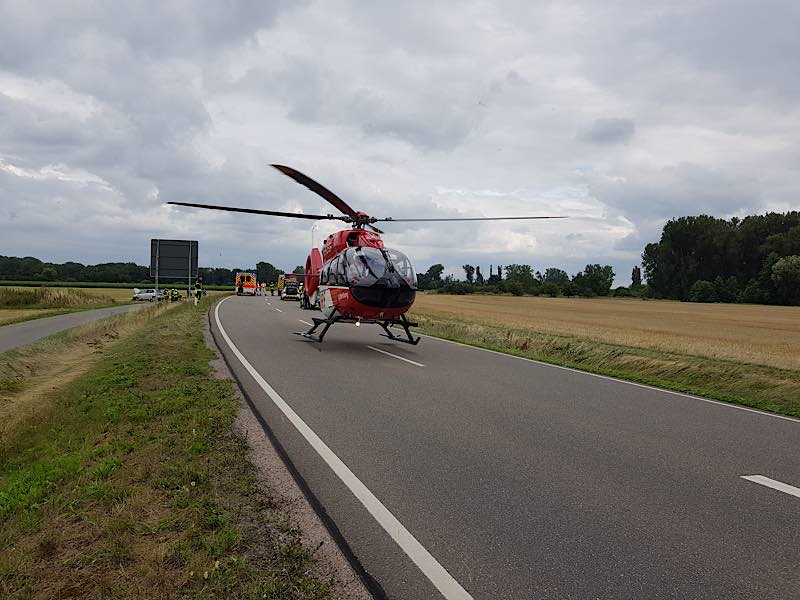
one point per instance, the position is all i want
(289, 287)
(246, 284)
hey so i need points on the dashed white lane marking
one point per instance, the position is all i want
(772, 483)
(306, 322)
(432, 569)
(278, 309)
(395, 356)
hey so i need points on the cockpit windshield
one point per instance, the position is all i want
(366, 266)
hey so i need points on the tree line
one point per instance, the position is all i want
(699, 258)
(516, 279)
(28, 268)
(705, 259)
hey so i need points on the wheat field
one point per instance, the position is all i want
(764, 335)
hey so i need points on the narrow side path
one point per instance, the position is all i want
(20, 334)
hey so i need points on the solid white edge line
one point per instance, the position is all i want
(606, 377)
(395, 356)
(772, 483)
(434, 571)
(306, 322)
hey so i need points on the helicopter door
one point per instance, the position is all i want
(326, 279)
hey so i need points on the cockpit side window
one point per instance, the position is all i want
(333, 276)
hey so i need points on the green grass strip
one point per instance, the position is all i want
(135, 486)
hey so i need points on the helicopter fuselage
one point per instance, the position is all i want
(359, 278)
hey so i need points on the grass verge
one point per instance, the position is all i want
(133, 485)
(763, 387)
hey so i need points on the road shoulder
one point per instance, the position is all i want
(274, 474)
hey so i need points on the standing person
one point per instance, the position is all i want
(198, 291)
(271, 289)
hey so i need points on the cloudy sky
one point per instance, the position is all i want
(617, 113)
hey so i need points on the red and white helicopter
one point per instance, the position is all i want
(355, 278)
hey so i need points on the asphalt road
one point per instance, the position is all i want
(521, 480)
(20, 334)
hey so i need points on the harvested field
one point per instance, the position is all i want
(44, 297)
(762, 335)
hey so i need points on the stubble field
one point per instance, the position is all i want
(765, 335)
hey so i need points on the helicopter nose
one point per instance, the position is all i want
(383, 296)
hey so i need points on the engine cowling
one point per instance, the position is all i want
(313, 267)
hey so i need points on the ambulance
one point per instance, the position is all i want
(246, 284)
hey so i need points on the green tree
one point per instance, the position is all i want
(550, 289)
(431, 279)
(594, 280)
(494, 278)
(636, 277)
(267, 272)
(703, 291)
(703, 248)
(558, 277)
(469, 271)
(786, 277)
(479, 276)
(521, 275)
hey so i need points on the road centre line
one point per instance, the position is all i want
(772, 483)
(306, 322)
(432, 569)
(395, 356)
(633, 383)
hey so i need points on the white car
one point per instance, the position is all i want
(149, 294)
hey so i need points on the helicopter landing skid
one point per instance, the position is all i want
(405, 324)
(385, 324)
(317, 322)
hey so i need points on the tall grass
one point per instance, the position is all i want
(51, 298)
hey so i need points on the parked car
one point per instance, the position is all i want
(148, 295)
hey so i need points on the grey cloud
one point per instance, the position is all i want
(34, 33)
(432, 118)
(754, 44)
(678, 190)
(609, 131)
(389, 105)
(650, 197)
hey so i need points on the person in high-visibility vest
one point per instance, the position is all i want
(198, 291)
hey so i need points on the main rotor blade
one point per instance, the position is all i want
(317, 188)
(375, 229)
(390, 219)
(254, 211)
